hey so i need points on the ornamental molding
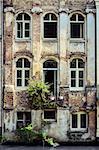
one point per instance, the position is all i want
(63, 10)
(23, 53)
(36, 9)
(9, 9)
(88, 10)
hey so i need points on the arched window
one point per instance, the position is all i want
(77, 73)
(50, 25)
(23, 21)
(50, 75)
(22, 72)
(77, 26)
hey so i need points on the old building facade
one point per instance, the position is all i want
(53, 40)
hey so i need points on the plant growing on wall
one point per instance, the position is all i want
(39, 95)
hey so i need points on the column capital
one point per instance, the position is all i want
(89, 10)
(63, 10)
(9, 9)
(36, 10)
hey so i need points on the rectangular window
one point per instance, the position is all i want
(50, 114)
(79, 121)
(23, 119)
(50, 29)
(76, 30)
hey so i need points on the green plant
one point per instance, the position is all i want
(38, 92)
(31, 134)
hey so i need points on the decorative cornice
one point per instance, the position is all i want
(36, 9)
(9, 9)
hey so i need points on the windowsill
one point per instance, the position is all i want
(17, 89)
(78, 129)
(77, 40)
(76, 89)
(49, 120)
(22, 40)
(50, 39)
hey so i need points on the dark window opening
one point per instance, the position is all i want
(74, 120)
(76, 30)
(49, 114)
(23, 119)
(50, 64)
(50, 29)
(83, 120)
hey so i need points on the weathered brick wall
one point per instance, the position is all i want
(39, 50)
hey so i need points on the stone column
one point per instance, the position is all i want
(90, 46)
(63, 44)
(97, 62)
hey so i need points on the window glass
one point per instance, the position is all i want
(74, 120)
(73, 18)
(23, 119)
(22, 72)
(80, 17)
(77, 73)
(80, 63)
(26, 63)
(77, 26)
(83, 120)
(49, 114)
(23, 25)
(46, 17)
(76, 30)
(50, 29)
(50, 26)
(26, 17)
(50, 64)
(19, 17)
(73, 63)
(20, 115)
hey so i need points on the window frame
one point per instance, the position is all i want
(78, 22)
(22, 69)
(23, 23)
(55, 69)
(77, 70)
(51, 39)
(50, 120)
(23, 120)
(79, 121)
